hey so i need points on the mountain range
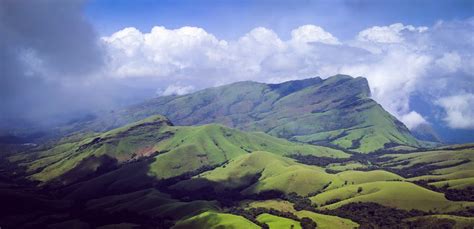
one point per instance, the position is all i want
(299, 154)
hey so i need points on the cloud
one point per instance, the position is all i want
(459, 110)
(177, 89)
(162, 52)
(398, 60)
(450, 62)
(388, 34)
(413, 120)
(48, 54)
(312, 33)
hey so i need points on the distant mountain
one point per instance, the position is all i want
(337, 111)
(426, 132)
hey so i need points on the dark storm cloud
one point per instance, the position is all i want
(44, 45)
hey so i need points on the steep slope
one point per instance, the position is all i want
(337, 111)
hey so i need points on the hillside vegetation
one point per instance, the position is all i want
(336, 111)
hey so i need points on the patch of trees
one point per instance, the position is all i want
(466, 194)
(318, 161)
(372, 215)
(356, 143)
(421, 169)
(299, 202)
(468, 212)
(308, 223)
(432, 223)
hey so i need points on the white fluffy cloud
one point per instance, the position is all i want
(162, 52)
(312, 33)
(398, 60)
(459, 110)
(388, 34)
(413, 119)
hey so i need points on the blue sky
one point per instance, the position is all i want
(231, 19)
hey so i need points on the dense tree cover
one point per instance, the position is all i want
(307, 223)
(432, 223)
(318, 161)
(419, 169)
(372, 215)
(466, 194)
(300, 203)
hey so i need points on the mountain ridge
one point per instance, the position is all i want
(336, 111)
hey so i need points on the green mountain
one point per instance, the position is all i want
(336, 111)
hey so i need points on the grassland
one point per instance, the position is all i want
(323, 221)
(277, 222)
(395, 194)
(274, 172)
(215, 220)
(176, 150)
(448, 161)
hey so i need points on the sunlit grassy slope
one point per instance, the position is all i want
(277, 222)
(215, 220)
(452, 166)
(263, 171)
(396, 194)
(176, 150)
(449, 161)
(323, 221)
(337, 110)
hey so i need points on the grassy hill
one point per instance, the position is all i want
(395, 194)
(336, 111)
(215, 220)
(277, 222)
(169, 151)
(262, 171)
(323, 221)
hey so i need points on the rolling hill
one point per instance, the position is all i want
(167, 151)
